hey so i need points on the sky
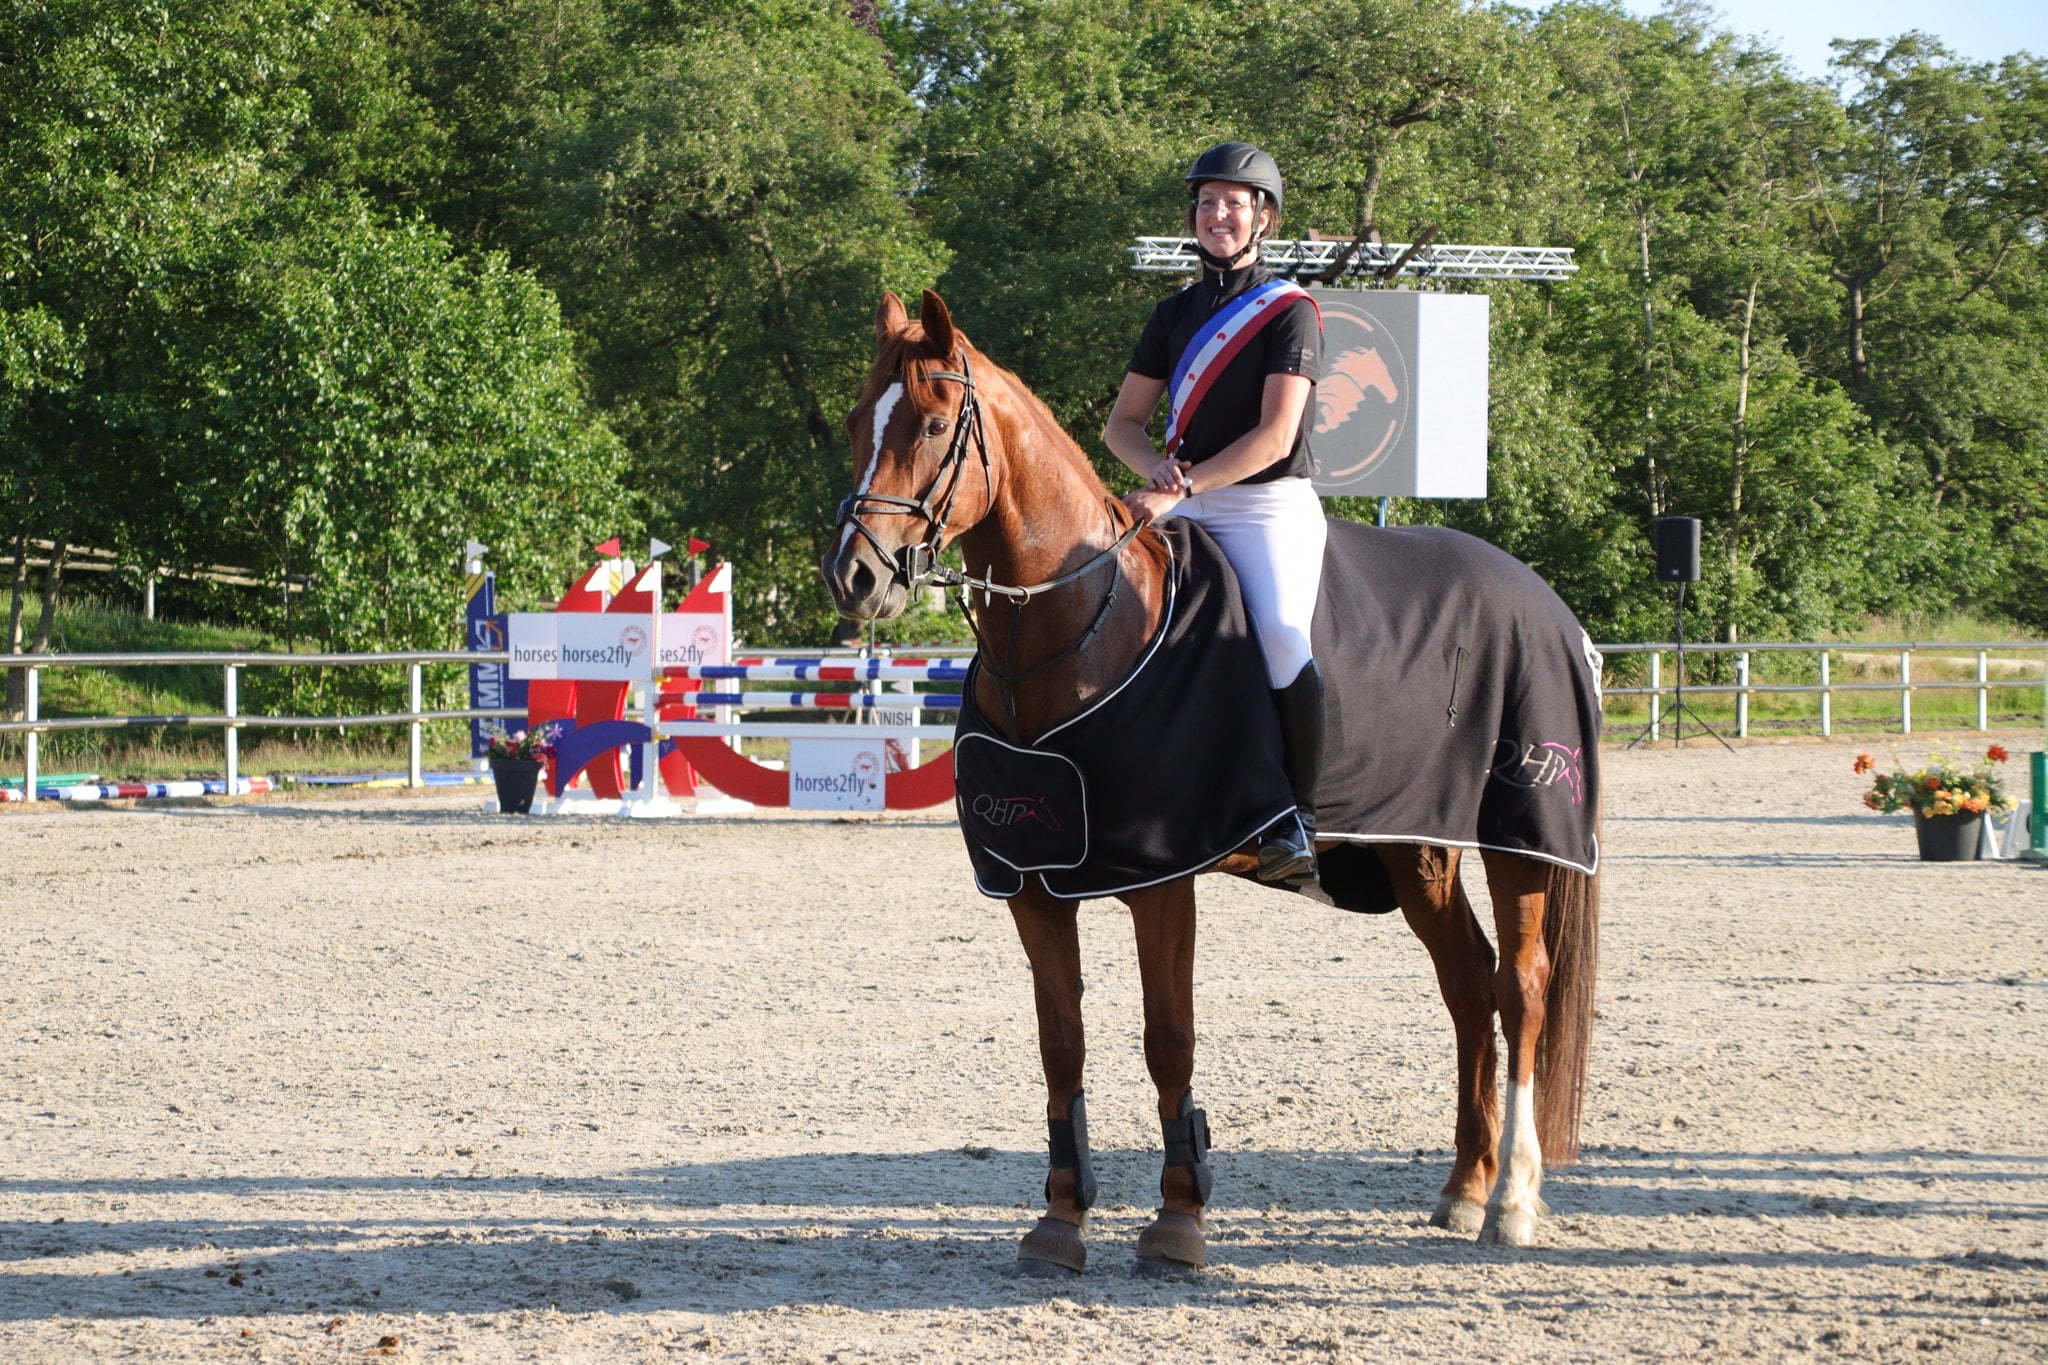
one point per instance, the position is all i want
(1976, 30)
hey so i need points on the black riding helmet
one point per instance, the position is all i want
(1240, 163)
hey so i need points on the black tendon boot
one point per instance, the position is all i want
(1287, 851)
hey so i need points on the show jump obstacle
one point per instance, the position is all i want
(608, 637)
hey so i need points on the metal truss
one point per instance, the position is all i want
(1300, 259)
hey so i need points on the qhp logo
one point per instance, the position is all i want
(633, 639)
(1004, 811)
(1548, 764)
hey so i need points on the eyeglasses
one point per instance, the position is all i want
(1236, 202)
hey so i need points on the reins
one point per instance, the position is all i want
(917, 564)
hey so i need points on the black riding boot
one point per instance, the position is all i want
(1287, 851)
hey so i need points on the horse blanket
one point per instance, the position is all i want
(1462, 710)
(1086, 807)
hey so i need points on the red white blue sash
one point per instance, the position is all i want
(1218, 343)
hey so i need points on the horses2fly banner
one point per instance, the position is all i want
(608, 646)
(836, 774)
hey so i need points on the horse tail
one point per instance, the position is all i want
(1571, 937)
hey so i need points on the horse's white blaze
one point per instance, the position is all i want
(1521, 1154)
(885, 407)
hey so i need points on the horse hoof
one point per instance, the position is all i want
(1173, 1243)
(1459, 1215)
(1509, 1230)
(1052, 1249)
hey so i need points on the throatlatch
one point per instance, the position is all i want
(1187, 1144)
(1069, 1142)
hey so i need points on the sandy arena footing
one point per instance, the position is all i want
(313, 1080)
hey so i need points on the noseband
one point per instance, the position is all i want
(918, 563)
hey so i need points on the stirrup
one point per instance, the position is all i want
(1287, 852)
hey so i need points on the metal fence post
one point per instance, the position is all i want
(412, 765)
(1905, 691)
(1656, 694)
(231, 706)
(1827, 700)
(31, 749)
(1983, 692)
(1742, 695)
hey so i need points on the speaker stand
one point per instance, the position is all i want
(1679, 710)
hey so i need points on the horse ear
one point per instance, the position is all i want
(938, 324)
(890, 318)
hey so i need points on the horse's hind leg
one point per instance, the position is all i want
(1518, 886)
(1433, 901)
(1053, 945)
(1163, 918)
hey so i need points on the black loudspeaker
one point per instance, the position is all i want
(1678, 549)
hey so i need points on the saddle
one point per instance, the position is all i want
(1463, 711)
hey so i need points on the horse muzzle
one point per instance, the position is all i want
(864, 585)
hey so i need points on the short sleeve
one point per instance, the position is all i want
(1153, 356)
(1294, 341)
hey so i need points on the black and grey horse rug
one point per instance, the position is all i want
(1463, 710)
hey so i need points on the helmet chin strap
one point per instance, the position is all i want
(1218, 263)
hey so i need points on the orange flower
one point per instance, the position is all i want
(1864, 763)
(1974, 805)
(1870, 799)
(1996, 754)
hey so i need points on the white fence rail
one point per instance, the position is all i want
(2025, 664)
(2021, 658)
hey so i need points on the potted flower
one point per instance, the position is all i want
(516, 760)
(1948, 801)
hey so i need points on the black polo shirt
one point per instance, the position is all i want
(1291, 343)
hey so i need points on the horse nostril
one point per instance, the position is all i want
(860, 584)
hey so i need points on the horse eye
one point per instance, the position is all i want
(935, 427)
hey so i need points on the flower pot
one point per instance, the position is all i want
(516, 779)
(1947, 838)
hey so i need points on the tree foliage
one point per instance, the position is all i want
(321, 286)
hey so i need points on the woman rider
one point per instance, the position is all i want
(1238, 457)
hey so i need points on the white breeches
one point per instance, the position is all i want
(1272, 534)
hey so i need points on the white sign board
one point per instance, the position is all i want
(693, 637)
(597, 646)
(836, 774)
(1401, 406)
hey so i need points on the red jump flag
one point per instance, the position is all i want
(610, 549)
(698, 547)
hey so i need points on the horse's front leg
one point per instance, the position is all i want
(1520, 987)
(1052, 943)
(1164, 920)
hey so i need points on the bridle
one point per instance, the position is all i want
(918, 563)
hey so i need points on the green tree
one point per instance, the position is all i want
(353, 400)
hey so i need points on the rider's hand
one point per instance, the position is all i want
(1168, 475)
(1149, 504)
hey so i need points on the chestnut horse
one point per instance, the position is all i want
(949, 447)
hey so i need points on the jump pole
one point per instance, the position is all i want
(648, 801)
